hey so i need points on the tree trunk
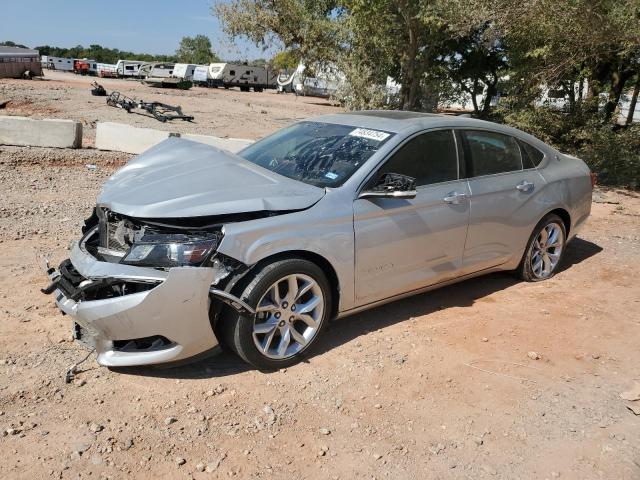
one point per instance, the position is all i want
(570, 88)
(491, 92)
(618, 79)
(474, 100)
(634, 101)
(410, 78)
(580, 90)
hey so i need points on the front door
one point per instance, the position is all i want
(403, 245)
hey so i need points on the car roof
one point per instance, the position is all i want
(398, 121)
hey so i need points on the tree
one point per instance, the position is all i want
(556, 42)
(9, 43)
(196, 50)
(285, 60)
(475, 65)
(308, 27)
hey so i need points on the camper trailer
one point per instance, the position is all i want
(325, 80)
(156, 70)
(107, 70)
(57, 63)
(201, 75)
(183, 71)
(128, 68)
(229, 75)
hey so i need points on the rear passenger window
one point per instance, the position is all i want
(531, 156)
(492, 153)
(429, 158)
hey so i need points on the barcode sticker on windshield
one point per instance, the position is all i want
(376, 135)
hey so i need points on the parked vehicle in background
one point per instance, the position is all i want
(128, 68)
(183, 71)
(201, 75)
(57, 63)
(156, 70)
(107, 70)
(190, 245)
(318, 81)
(17, 62)
(245, 77)
(85, 67)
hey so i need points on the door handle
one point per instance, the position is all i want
(525, 186)
(454, 198)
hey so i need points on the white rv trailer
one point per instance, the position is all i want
(183, 71)
(128, 68)
(106, 70)
(156, 70)
(57, 63)
(244, 76)
(201, 74)
(326, 80)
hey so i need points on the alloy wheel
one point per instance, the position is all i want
(288, 316)
(547, 249)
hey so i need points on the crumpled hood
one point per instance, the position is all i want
(180, 178)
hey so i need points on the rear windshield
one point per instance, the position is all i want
(320, 154)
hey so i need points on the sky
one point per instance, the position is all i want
(142, 26)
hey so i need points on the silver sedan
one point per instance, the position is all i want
(190, 246)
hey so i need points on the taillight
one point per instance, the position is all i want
(594, 179)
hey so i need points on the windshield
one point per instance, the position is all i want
(321, 154)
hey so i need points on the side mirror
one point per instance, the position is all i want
(392, 185)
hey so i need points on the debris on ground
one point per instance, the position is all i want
(160, 111)
(98, 90)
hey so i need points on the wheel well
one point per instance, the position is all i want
(319, 260)
(566, 218)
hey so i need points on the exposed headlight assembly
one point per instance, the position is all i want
(173, 250)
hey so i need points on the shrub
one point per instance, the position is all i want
(612, 152)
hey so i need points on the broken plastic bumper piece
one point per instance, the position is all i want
(164, 319)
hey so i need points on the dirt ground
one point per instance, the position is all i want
(219, 112)
(440, 385)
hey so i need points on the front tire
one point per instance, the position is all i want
(544, 251)
(293, 303)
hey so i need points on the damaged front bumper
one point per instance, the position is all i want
(166, 322)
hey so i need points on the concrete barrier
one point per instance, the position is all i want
(28, 132)
(231, 144)
(125, 138)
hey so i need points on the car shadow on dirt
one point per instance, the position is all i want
(463, 294)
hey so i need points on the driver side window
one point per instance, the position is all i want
(429, 158)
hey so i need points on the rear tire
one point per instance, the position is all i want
(293, 302)
(545, 250)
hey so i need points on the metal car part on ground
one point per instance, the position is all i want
(160, 111)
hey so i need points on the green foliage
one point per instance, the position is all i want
(612, 152)
(360, 93)
(196, 50)
(101, 54)
(306, 26)
(9, 43)
(285, 60)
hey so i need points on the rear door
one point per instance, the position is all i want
(405, 244)
(503, 210)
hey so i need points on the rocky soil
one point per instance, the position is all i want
(488, 379)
